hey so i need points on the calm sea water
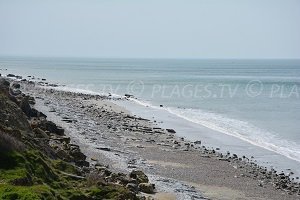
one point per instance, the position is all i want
(254, 101)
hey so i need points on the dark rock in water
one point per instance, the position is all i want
(171, 130)
(139, 176)
(128, 95)
(43, 79)
(161, 106)
(147, 188)
(11, 75)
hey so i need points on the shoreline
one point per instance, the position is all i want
(233, 169)
(40, 161)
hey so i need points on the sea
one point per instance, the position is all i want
(249, 107)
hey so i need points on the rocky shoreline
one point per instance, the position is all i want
(122, 142)
(25, 129)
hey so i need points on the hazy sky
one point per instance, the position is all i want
(151, 28)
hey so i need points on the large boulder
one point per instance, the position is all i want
(11, 75)
(139, 176)
(4, 86)
(51, 127)
(147, 188)
(11, 116)
(39, 133)
(77, 154)
(16, 85)
(24, 105)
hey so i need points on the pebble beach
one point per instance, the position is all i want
(180, 169)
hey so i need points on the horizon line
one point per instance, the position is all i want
(150, 58)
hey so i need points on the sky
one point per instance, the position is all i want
(150, 28)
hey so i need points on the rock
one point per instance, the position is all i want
(12, 116)
(94, 159)
(11, 75)
(16, 85)
(104, 148)
(15, 92)
(4, 86)
(139, 176)
(198, 142)
(25, 107)
(31, 100)
(170, 130)
(132, 187)
(224, 159)
(147, 188)
(35, 113)
(40, 133)
(161, 106)
(77, 155)
(48, 125)
(62, 154)
(82, 163)
(62, 139)
(128, 95)
(205, 156)
(51, 127)
(60, 131)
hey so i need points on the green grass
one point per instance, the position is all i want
(46, 181)
(36, 192)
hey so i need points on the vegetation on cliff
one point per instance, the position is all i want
(31, 163)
